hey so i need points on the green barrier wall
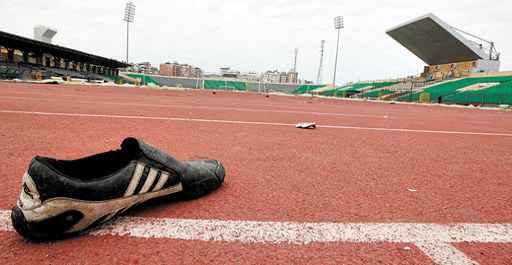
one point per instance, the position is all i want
(225, 85)
(145, 79)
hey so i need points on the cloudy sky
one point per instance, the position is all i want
(258, 35)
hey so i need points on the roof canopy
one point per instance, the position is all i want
(436, 42)
(25, 44)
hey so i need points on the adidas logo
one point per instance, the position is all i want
(147, 179)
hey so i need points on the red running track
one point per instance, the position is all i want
(275, 172)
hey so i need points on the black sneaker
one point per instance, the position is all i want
(61, 198)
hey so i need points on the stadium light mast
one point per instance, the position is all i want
(338, 25)
(129, 17)
(321, 66)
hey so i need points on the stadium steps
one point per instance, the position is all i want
(357, 88)
(377, 93)
(303, 89)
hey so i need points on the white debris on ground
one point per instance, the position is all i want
(306, 125)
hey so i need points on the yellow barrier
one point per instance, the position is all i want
(425, 97)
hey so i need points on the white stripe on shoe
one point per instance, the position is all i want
(139, 169)
(149, 180)
(164, 176)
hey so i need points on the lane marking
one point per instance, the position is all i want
(433, 239)
(255, 123)
(5, 221)
(444, 254)
(213, 108)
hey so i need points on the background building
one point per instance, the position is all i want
(250, 77)
(227, 72)
(271, 77)
(293, 77)
(144, 68)
(277, 77)
(180, 70)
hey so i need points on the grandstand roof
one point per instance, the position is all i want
(26, 44)
(435, 42)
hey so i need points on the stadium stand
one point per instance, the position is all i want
(375, 94)
(24, 58)
(440, 92)
(496, 95)
(303, 89)
(358, 88)
(22, 70)
(9, 72)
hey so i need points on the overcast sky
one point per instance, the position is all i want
(258, 35)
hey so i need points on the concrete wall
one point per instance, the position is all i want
(195, 83)
(178, 82)
(285, 88)
(487, 66)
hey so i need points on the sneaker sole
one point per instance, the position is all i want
(61, 217)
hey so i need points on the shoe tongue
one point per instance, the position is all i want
(131, 146)
(135, 147)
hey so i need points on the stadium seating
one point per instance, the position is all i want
(26, 70)
(303, 89)
(6, 72)
(377, 93)
(13, 71)
(496, 95)
(356, 89)
(450, 89)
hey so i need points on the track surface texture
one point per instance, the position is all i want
(375, 183)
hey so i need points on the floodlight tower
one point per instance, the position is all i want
(295, 60)
(321, 66)
(338, 25)
(129, 17)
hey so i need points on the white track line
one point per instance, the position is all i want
(5, 221)
(433, 239)
(170, 105)
(444, 254)
(254, 123)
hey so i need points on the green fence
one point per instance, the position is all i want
(225, 85)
